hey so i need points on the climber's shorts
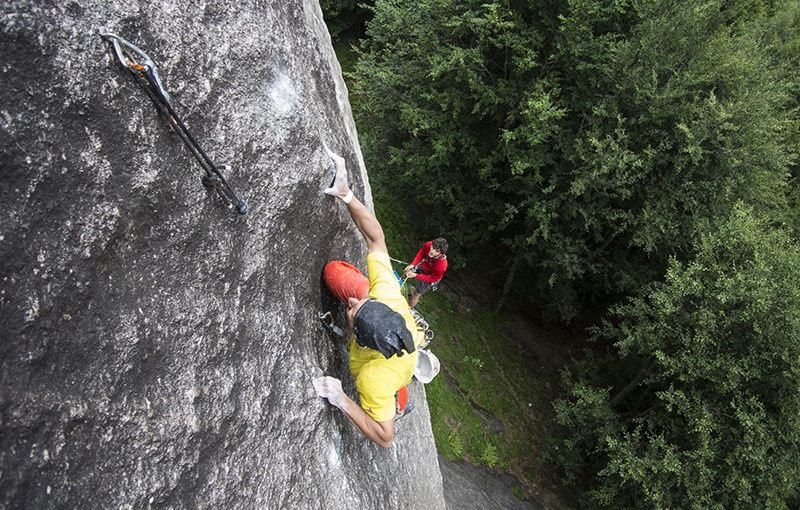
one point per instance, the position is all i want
(423, 287)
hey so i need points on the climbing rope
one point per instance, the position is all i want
(143, 67)
(401, 280)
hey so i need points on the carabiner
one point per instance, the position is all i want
(330, 324)
(124, 49)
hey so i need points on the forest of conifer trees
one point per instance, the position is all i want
(633, 157)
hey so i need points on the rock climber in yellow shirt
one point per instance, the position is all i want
(383, 352)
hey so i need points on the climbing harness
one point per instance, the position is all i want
(420, 270)
(327, 321)
(422, 324)
(143, 66)
(417, 269)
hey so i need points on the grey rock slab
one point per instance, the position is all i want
(469, 487)
(157, 348)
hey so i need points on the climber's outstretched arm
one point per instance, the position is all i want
(368, 225)
(365, 221)
(379, 432)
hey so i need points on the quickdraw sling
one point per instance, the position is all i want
(142, 66)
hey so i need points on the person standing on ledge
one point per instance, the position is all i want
(428, 268)
(383, 346)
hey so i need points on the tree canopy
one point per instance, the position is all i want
(637, 152)
(585, 137)
(700, 405)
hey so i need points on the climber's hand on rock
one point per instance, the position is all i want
(339, 187)
(330, 388)
(337, 160)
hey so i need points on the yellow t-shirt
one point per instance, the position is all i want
(378, 378)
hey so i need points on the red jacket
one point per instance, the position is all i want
(433, 269)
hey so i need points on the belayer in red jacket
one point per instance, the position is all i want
(428, 268)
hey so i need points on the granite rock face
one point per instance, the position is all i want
(158, 348)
